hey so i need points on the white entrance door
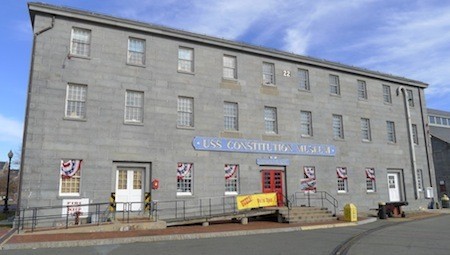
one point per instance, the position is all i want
(394, 187)
(129, 190)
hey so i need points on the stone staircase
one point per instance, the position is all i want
(305, 215)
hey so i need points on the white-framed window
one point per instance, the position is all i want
(303, 79)
(439, 121)
(387, 98)
(70, 177)
(419, 180)
(342, 179)
(390, 127)
(370, 180)
(76, 101)
(136, 51)
(334, 85)
(268, 73)
(134, 106)
(230, 116)
(80, 43)
(229, 67)
(306, 123)
(231, 179)
(410, 97)
(185, 112)
(270, 120)
(365, 130)
(362, 90)
(415, 134)
(184, 179)
(186, 59)
(338, 127)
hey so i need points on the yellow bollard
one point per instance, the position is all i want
(350, 213)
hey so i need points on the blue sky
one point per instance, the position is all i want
(408, 38)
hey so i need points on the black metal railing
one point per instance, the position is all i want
(193, 208)
(319, 198)
(62, 216)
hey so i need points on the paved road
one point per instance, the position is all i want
(403, 238)
(430, 236)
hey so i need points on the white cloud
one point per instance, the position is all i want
(10, 130)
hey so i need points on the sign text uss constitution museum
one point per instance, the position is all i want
(259, 146)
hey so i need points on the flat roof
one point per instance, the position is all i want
(38, 7)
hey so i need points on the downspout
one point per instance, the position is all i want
(427, 140)
(412, 151)
(27, 110)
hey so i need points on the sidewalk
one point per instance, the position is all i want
(70, 238)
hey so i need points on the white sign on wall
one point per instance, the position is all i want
(72, 206)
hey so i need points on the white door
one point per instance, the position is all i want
(129, 190)
(394, 187)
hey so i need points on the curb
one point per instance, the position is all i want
(176, 237)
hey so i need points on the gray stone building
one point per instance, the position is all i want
(439, 122)
(116, 104)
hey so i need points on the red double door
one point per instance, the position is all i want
(272, 181)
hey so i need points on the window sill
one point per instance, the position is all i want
(363, 100)
(231, 134)
(335, 95)
(185, 127)
(136, 65)
(366, 141)
(269, 84)
(131, 123)
(231, 193)
(271, 137)
(371, 192)
(338, 139)
(186, 72)
(78, 56)
(342, 192)
(387, 103)
(306, 136)
(75, 119)
(391, 143)
(305, 90)
(67, 196)
(184, 194)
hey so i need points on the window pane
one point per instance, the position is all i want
(268, 73)
(365, 129)
(136, 51)
(76, 100)
(303, 77)
(134, 103)
(230, 116)
(362, 92)
(306, 123)
(338, 131)
(80, 44)
(334, 84)
(270, 118)
(390, 131)
(387, 94)
(185, 111)
(231, 178)
(186, 59)
(184, 177)
(229, 67)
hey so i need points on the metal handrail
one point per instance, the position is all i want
(323, 197)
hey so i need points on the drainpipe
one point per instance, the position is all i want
(27, 110)
(412, 151)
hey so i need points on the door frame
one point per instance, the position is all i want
(401, 183)
(283, 178)
(146, 175)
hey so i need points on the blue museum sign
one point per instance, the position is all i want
(259, 146)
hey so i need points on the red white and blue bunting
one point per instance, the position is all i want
(341, 172)
(308, 183)
(370, 173)
(230, 171)
(183, 170)
(70, 168)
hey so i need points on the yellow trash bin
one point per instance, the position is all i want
(350, 213)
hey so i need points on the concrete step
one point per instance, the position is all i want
(305, 215)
